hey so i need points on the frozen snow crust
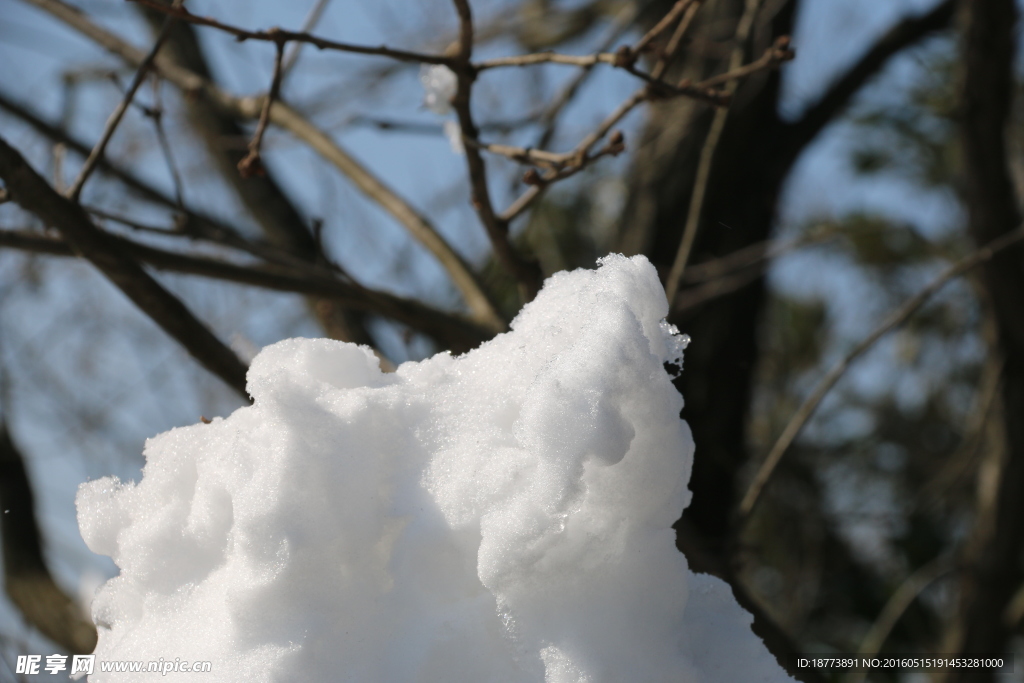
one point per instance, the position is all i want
(500, 516)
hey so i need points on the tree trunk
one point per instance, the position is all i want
(995, 566)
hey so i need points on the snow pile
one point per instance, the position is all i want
(501, 516)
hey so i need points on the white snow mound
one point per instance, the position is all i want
(501, 516)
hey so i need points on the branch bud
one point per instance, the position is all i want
(531, 177)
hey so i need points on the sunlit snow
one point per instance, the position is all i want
(505, 515)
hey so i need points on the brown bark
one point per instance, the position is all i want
(756, 152)
(739, 210)
(996, 567)
(264, 198)
(188, 221)
(36, 196)
(455, 332)
(28, 582)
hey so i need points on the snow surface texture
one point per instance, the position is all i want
(500, 516)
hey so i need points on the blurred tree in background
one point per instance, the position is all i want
(329, 203)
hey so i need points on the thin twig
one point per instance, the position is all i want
(446, 327)
(157, 114)
(697, 195)
(730, 273)
(524, 155)
(465, 280)
(579, 157)
(115, 118)
(550, 116)
(215, 234)
(692, 297)
(660, 89)
(251, 164)
(624, 57)
(526, 272)
(583, 148)
(895, 319)
(60, 153)
(541, 157)
(277, 34)
(666, 57)
(187, 222)
(538, 183)
(130, 222)
(665, 22)
(778, 53)
(433, 129)
(36, 196)
(547, 58)
(522, 202)
(617, 59)
(963, 460)
(194, 223)
(707, 155)
(312, 19)
(416, 224)
(753, 255)
(894, 608)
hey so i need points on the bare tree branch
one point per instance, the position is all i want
(194, 223)
(312, 19)
(549, 58)
(725, 275)
(262, 194)
(36, 196)
(156, 113)
(418, 226)
(540, 182)
(692, 297)
(453, 330)
(574, 161)
(27, 580)
(994, 562)
(251, 164)
(906, 33)
(694, 212)
(892, 321)
(669, 53)
(897, 605)
(772, 57)
(670, 17)
(700, 91)
(753, 255)
(526, 272)
(566, 95)
(115, 117)
(188, 222)
(277, 34)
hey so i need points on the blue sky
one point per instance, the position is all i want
(138, 383)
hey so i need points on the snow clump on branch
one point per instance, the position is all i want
(504, 516)
(440, 84)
